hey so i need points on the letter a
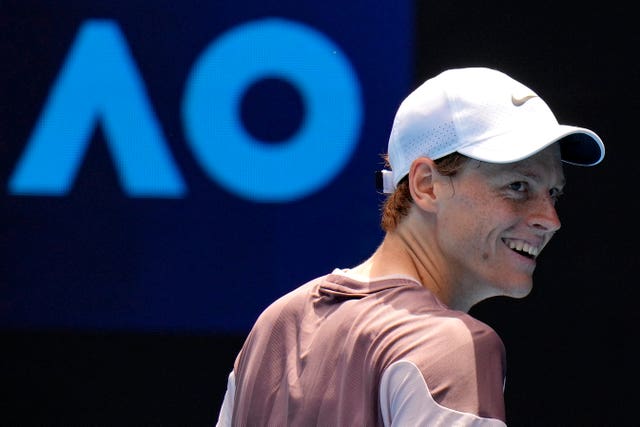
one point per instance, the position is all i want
(98, 83)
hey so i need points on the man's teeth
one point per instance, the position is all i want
(521, 246)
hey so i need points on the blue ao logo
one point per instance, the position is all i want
(99, 83)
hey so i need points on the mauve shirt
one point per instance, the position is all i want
(346, 351)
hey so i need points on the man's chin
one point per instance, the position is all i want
(517, 290)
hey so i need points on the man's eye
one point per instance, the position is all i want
(519, 186)
(555, 193)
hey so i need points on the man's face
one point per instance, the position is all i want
(497, 219)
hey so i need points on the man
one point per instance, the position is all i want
(476, 168)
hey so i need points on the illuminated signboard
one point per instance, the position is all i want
(179, 173)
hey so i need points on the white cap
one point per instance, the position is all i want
(483, 114)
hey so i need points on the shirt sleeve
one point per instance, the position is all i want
(226, 411)
(405, 400)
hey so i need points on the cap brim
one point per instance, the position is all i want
(578, 146)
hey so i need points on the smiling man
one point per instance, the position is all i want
(476, 166)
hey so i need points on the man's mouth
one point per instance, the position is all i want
(522, 248)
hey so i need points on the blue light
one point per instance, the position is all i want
(320, 148)
(98, 83)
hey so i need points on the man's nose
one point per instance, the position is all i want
(544, 215)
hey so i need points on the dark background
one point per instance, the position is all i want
(570, 344)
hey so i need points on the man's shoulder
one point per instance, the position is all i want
(447, 339)
(290, 302)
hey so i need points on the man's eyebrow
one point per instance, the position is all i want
(536, 177)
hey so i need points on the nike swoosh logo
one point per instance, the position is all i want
(520, 101)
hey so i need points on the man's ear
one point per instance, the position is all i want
(422, 177)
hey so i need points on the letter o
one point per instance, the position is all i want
(320, 148)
